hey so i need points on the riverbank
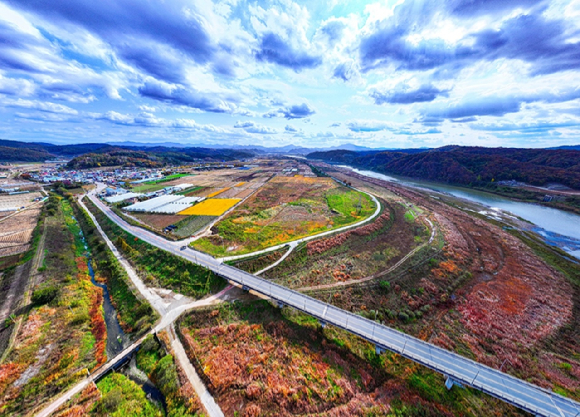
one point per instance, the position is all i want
(558, 228)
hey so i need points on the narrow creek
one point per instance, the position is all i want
(117, 340)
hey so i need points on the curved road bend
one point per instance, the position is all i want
(512, 390)
(311, 237)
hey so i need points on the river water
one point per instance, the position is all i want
(117, 340)
(558, 227)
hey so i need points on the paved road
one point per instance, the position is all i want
(522, 394)
(168, 312)
(311, 237)
(291, 247)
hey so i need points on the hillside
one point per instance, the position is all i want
(470, 166)
(152, 157)
(8, 154)
(90, 155)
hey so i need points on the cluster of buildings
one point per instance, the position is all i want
(49, 175)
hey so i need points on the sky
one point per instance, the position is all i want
(391, 74)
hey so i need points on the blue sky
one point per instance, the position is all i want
(377, 74)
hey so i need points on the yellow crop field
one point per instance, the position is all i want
(239, 184)
(217, 192)
(210, 207)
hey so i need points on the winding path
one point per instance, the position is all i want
(374, 276)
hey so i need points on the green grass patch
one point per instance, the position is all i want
(351, 206)
(122, 397)
(160, 268)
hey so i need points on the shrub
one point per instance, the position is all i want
(166, 375)
(44, 295)
(385, 285)
(80, 318)
(403, 316)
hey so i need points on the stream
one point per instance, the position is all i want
(557, 227)
(117, 340)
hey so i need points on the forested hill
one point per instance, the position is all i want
(475, 166)
(89, 155)
(9, 154)
(154, 157)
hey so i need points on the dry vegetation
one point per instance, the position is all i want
(158, 221)
(16, 231)
(487, 295)
(64, 333)
(261, 361)
(354, 254)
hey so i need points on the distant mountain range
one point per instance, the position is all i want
(472, 166)
(288, 149)
(14, 151)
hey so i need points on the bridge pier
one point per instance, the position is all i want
(322, 323)
(245, 288)
(280, 304)
(449, 382)
(379, 350)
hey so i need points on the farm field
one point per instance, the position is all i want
(284, 209)
(158, 221)
(189, 225)
(210, 207)
(148, 188)
(261, 360)
(17, 200)
(16, 231)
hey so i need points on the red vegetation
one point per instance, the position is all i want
(98, 325)
(83, 404)
(264, 369)
(495, 296)
(322, 245)
(9, 373)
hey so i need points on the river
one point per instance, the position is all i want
(558, 227)
(117, 340)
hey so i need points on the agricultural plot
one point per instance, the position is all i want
(148, 188)
(284, 209)
(218, 192)
(211, 207)
(158, 221)
(16, 201)
(16, 231)
(189, 225)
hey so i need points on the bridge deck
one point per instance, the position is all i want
(520, 393)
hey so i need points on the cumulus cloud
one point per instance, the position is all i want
(467, 109)
(368, 126)
(404, 95)
(297, 111)
(532, 38)
(179, 95)
(274, 49)
(252, 127)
